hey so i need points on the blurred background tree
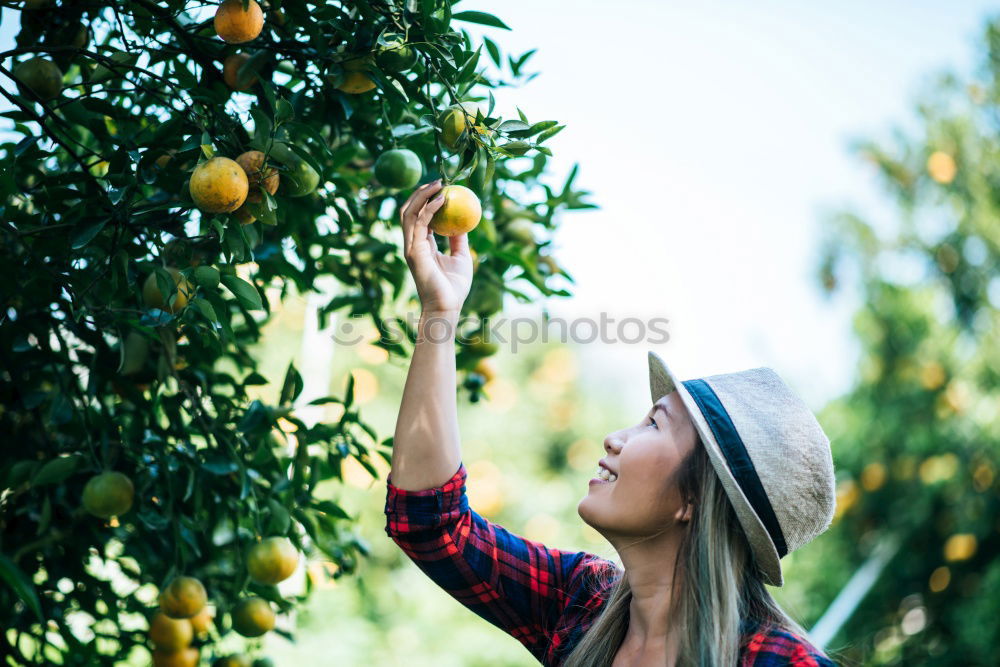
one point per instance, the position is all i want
(917, 440)
(130, 315)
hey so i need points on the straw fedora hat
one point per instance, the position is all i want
(771, 454)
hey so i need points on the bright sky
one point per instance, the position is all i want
(714, 135)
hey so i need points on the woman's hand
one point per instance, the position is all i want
(443, 281)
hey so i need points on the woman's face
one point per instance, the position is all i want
(644, 499)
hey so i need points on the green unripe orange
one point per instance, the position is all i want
(253, 617)
(399, 168)
(272, 560)
(41, 76)
(108, 494)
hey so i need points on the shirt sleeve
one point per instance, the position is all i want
(518, 585)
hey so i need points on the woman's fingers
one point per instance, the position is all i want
(459, 245)
(409, 213)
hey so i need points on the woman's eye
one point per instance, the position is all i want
(652, 422)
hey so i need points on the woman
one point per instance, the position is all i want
(722, 477)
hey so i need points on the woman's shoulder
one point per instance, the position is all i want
(775, 646)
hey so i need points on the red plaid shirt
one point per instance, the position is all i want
(534, 593)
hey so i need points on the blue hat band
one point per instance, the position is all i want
(737, 458)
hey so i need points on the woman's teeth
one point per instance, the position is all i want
(603, 473)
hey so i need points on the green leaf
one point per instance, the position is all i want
(481, 18)
(331, 508)
(292, 386)
(86, 233)
(21, 586)
(57, 470)
(247, 294)
(206, 276)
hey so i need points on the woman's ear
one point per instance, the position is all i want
(685, 513)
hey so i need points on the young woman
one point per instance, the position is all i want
(721, 477)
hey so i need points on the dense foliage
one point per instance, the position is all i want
(129, 312)
(918, 437)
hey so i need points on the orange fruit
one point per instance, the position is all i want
(460, 212)
(355, 83)
(236, 26)
(398, 168)
(231, 72)
(108, 494)
(253, 617)
(243, 215)
(187, 657)
(942, 167)
(219, 185)
(202, 621)
(485, 368)
(453, 123)
(253, 164)
(520, 230)
(183, 597)
(272, 560)
(41, 76)
(170, 634)
(154, 298)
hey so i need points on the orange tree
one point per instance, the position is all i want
(918, 437)
(169, 169)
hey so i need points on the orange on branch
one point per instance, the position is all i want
(231, 72)
(41, 76)
(183, 597)
(108, 494)
(253, 164)
(186, 657)
(272, 560)
(253, 617)
(170, 634)
(236, 26)
(202, 621)
(154, 298)
(219, 185)
(941, 167)
(460, 212)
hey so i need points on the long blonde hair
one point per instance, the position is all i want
(720, 586)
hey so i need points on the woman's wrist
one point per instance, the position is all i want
(437, 326)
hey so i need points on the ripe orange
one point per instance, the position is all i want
(154, 298)
(219, 185)
(202, 621)
(485, 368)
(253, 164)
(453, 123)
(170, 634)
(41, 76)
(231, 72)
(941, 167)
(108, 494)
(252, 617)
(272, 560)
(183, 597)
(236, 26)
(460, 212)
(187, 657)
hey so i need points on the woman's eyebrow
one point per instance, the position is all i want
(660, 406)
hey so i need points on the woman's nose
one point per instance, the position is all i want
(612, 444)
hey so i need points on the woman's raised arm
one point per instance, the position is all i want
(426, 449)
